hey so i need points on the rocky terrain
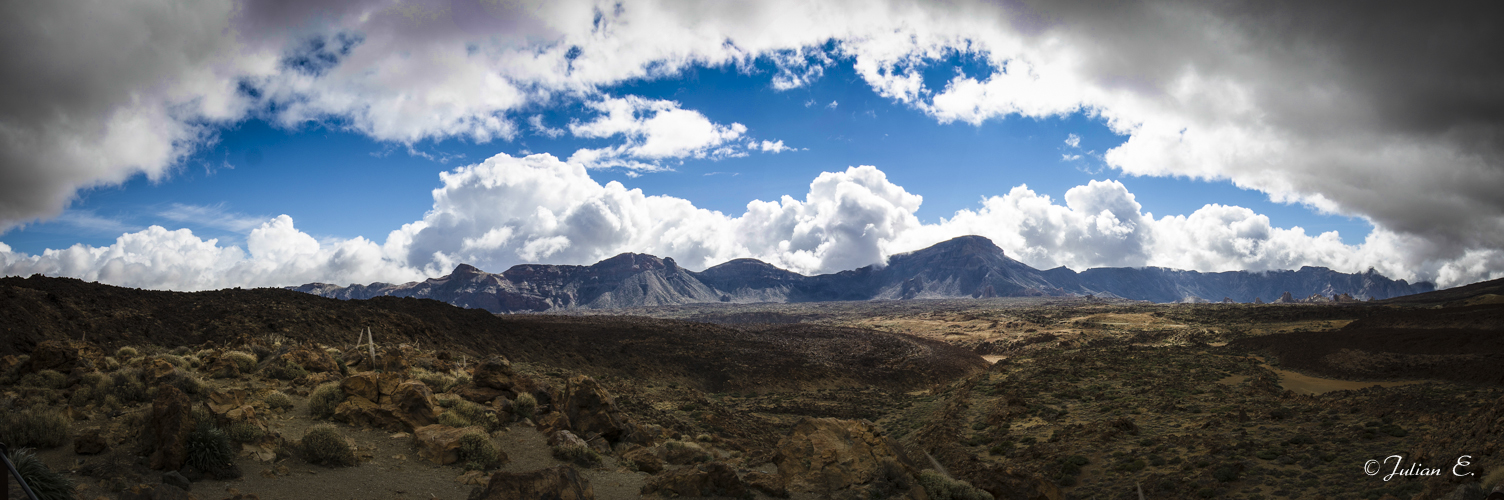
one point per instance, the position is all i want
(270, 393)
(964, 267)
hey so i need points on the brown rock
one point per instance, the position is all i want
(374, 387)
(591, 409)
(769, 484)
(827, 455)
(158, 371)
(440, 444)
(317, 379)
(646, 459)
(221, 367)
(561, 483)
(550, 423)
(396, 360)
(415, 405)
(89, 443)
(361, 412)
(167, 427)
(224, 401)
(474, 477)
(51, 355)
(712, 479)
(478, 394)
(685, 453)
(494, 373)
(312, 359)
(566, 439)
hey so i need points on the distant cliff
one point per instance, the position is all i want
(968, 266)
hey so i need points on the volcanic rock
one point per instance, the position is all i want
(440, 444)
(89, 443)
(167, 428)
(826, 456)
(495, 373)
(414, 404)
(646, 459)
(591, 409)
(562, 483)
(712, 479)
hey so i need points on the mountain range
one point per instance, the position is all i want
(967, 266)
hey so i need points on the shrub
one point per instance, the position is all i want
(47, 484)
(208, 447)
(437, 382)
(1225, 474)
(447, 400)
(524, 406)
(34, 428)
(278, 401)
(323, 445)
(109, 364)
(126, 353)
(453, 419)
(244, 432)
(325, 399)
(578, 454)
(478, 452)
(286, 371)
(245, 361)
(46, 379)
(939, 487)
(130, 385)
(189, 384)
(174, 360)
(474, 414)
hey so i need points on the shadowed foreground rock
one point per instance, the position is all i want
(712, 479)
(167, 428)
(554, 483)
(828, 456)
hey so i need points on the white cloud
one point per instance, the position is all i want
(653, 130)
(213, 216)
(1069, 157)
(1073, 141)
(772, 147)
(536, 121)
(832, 105)
(1264, 96)
(509, 210)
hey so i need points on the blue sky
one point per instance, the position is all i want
(397, 146)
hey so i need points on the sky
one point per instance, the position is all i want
(216, 144)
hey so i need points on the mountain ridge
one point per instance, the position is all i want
(966, 266)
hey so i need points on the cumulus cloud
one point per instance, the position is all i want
(539, 209)
(1265, 95)
(654, 130)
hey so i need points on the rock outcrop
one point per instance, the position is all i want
(705, 480)
(440, 444)
(827, 456)
(167, 429)
(561, 483)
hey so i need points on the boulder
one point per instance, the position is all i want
(158, 372)
(646, 459)
(361, 412)
(591, 409)
(414, 404)
(167, 427)
(313, 360)
(712, 479)
(769, 484)
(440, 444)
(89, 442)
(374, 387)
(685, 453)
(479, 394)
(550, 423)
(561, 483)
(396, 360)
(827, 455)
(494, 373)
(52, 355)
(221, 367)
(566, 439)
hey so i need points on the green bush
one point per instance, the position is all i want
(453, 419)
(286, 371)
(325, 399)
(437, 382)
(276, 400)
(1268, 454)
(208, 447)
(524, 406)
(34, 428)
(477, 452)
(939, 487)
(473, 414)
(578, 454)
(323, 445)
(47, 484)
(109, 364)
(244, 432)
(245, 361)
(46, 379)
(126, 353)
